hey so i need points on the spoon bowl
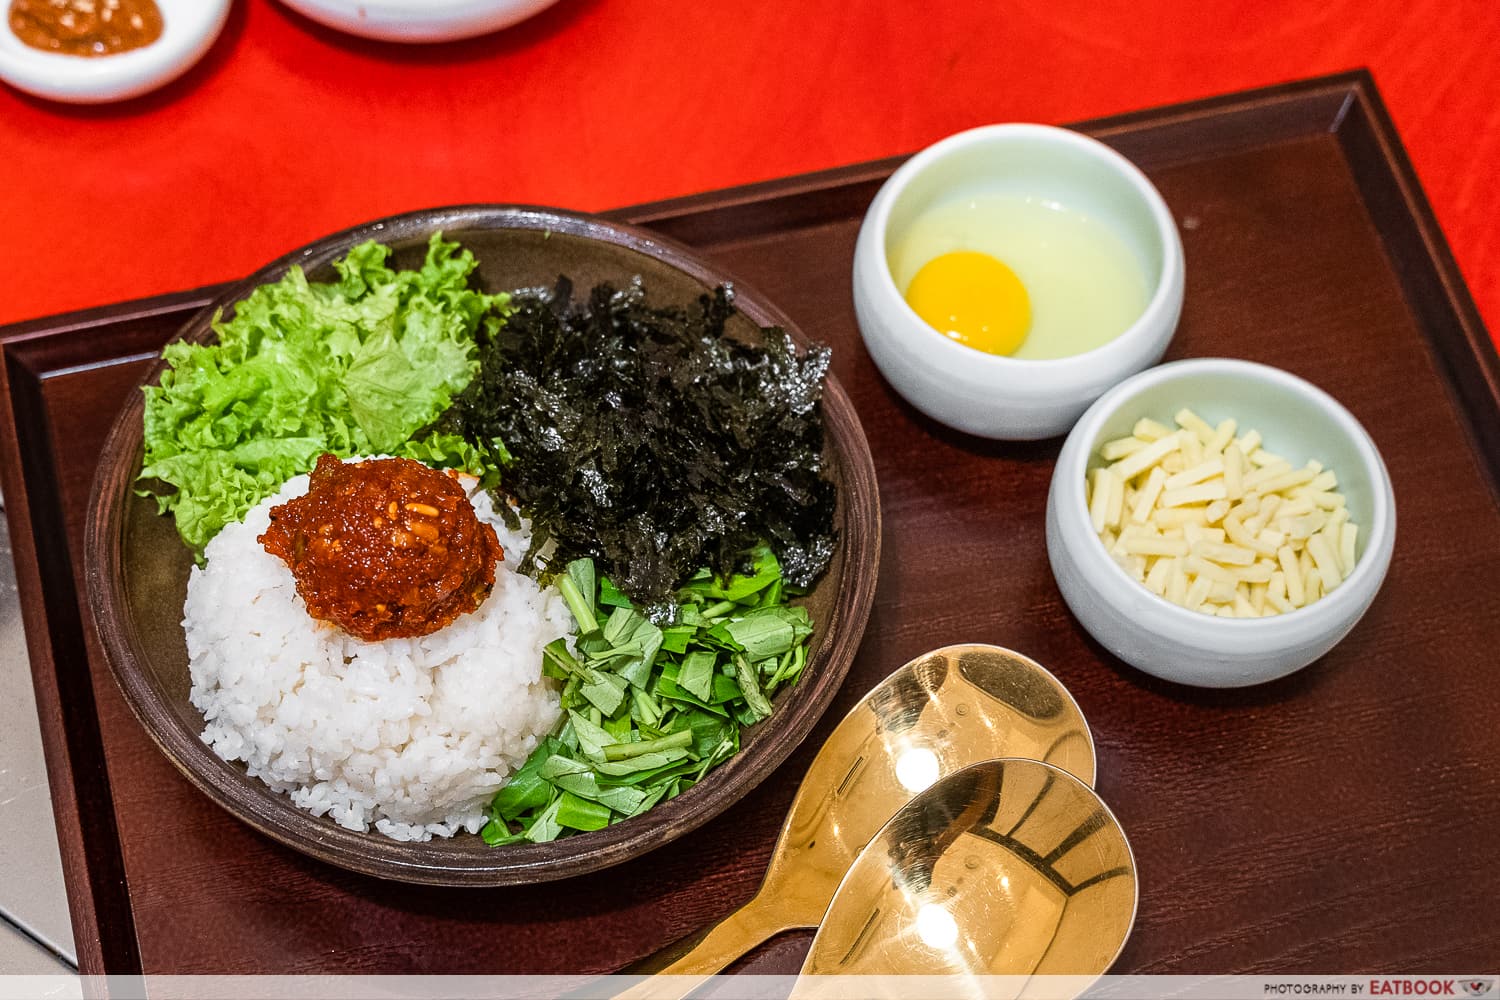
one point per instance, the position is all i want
(934, 716)
(1009, 868)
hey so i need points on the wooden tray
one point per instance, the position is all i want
(1341, 820)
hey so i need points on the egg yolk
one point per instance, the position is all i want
(974, 299)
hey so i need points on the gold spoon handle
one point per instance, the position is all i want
(688, 962)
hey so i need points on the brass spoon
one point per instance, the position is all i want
(936, 715)
(1006, 868)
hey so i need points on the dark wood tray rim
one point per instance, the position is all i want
(1345, 104)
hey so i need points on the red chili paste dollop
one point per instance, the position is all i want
(385, 548)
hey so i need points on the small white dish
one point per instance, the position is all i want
(1298, 421)
(991, 395)
(418, 20)
(189, 28)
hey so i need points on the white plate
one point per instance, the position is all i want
(189, 27)
(418, 20)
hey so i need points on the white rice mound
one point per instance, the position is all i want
(412, 736)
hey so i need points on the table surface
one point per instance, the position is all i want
(36, 937)
(288, 131)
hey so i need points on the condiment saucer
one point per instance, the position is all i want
(189, 28)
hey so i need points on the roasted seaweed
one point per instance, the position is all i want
(648, 439)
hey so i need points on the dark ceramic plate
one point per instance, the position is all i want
(138, 569)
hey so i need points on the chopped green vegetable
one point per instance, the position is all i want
(578, 589)
(357, 366)
(764, 632)
(604, 691)
(625, 751)
(649, 710)
(755, 701)
(609, 594)
(545, 826)
(696, 676)
(527, 789)
(580, 814)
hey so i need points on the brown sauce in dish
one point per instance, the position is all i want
(385, 548)
(86, 27)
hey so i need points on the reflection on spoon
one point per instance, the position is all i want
(934, 716)
(1007, 868)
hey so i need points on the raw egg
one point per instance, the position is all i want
(1005, 273)
(973, 299)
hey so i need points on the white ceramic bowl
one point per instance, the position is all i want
(418, 20)
(189, 28)
(990, 395)
(1298, 421)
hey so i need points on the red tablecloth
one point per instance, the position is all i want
(287, 131)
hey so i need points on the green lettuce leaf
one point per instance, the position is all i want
(356, 366)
